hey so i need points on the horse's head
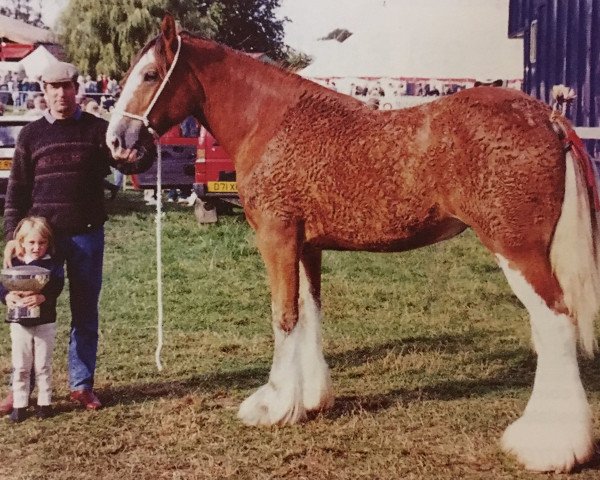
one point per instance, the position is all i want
(152, 99)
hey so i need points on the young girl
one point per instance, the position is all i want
(33, 338)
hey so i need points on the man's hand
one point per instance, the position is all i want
(12, 249)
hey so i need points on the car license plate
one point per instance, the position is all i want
(5, 164)
(222, 187)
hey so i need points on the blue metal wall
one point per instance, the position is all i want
(568, 52)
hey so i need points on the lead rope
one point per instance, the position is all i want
(144, 119)
(158, 221)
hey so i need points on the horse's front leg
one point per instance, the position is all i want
(280, 401)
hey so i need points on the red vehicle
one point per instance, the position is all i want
(214, 172)
(192, 160)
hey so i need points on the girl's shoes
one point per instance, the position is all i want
(17, 415)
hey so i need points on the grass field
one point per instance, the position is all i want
(429, 353)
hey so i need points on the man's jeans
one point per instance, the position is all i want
(84, 257)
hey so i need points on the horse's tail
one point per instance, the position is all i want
(575, 253)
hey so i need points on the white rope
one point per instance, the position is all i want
(144, 119)
(159, 284)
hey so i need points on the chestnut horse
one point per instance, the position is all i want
(319, 170)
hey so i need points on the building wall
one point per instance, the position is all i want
(561, 41)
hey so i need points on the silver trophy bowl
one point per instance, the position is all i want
(25, 278)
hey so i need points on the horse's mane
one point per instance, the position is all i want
(157, 43)
(161, 52)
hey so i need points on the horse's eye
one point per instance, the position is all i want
(150, 76)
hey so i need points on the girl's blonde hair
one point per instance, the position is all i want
(35, 224)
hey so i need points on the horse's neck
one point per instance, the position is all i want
(245, 101)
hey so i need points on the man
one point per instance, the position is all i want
(58, 168)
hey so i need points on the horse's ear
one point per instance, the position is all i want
(169, 33)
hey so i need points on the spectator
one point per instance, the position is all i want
(39, 106)
(70, 195)
(32, 318)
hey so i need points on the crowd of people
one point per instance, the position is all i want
(393, 93)
(19, 91)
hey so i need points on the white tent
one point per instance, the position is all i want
(390, 41)
(35, 63)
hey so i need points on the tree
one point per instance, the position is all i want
(248, 25)
(103, 36)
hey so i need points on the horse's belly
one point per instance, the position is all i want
(374, 237)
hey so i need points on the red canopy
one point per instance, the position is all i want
(14, 51)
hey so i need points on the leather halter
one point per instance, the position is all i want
(144, 118)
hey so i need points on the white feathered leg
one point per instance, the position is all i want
(555, 431)
(299, 380)
(316, 381)
(279, 402)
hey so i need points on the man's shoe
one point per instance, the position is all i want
(87, 399)
(6, 405)
(43, 412)
(17, 415)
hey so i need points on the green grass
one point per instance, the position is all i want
(429, 353)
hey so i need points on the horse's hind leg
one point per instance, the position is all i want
(554, 433)
(316, 381)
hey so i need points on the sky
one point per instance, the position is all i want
(403, 32)
(51, 9)
(429, 38)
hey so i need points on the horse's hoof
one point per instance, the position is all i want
(318, 392)
(543, 445)
(267, 407)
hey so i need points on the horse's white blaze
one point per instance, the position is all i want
(555, 431)
(299, 378)
(134, 80)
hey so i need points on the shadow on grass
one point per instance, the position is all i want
(254, 376)
(248, 378)
(518, 375)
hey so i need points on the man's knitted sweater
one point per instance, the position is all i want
(57, 173)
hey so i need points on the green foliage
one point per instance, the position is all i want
(248, 25)
(104, 36)
(295, 60)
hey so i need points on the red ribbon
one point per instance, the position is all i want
(578, 148)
